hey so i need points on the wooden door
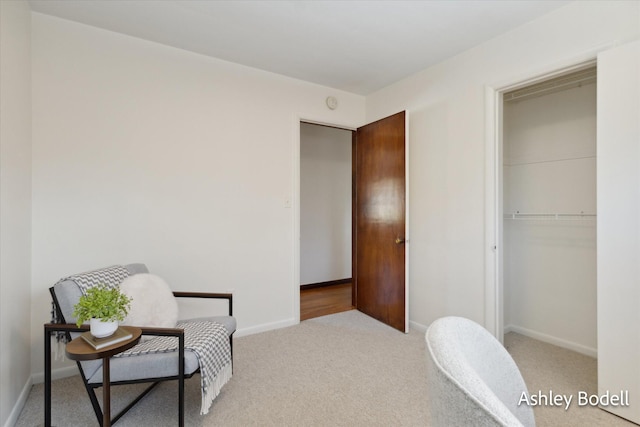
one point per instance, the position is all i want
(380, 209)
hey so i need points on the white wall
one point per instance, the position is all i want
(325, 204)
(447, 141)
(15, 207)
(550, 265)
(146, 153)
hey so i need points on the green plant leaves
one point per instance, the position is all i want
(101, 302)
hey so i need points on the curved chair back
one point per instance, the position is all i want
(472, 378)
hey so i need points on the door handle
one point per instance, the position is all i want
(399, 240)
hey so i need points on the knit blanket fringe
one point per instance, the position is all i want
(213, 390)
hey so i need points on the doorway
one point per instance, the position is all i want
(379, 227)
(326, 192)
(500, 209)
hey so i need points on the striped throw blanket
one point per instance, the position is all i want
(210, 343)
(110, 277)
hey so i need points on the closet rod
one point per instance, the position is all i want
(567, 81)
(547, 216)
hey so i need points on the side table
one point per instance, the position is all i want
(79, 349)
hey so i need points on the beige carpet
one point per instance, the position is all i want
(546, 367)
(344, 369)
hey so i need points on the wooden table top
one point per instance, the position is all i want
(79, 349)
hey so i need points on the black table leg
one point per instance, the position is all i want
(47, 377)
(106, 393)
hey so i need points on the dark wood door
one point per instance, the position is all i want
(380, 207)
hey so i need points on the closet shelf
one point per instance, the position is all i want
(550, 216)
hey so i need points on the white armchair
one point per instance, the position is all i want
(472, 378)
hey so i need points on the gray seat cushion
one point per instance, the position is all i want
(154, 365)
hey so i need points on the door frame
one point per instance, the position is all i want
(295, 204)
(494, 228)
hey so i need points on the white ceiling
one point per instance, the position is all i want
(356, 46)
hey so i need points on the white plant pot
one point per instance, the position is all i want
(100, 329)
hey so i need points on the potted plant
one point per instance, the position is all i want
(103, 307)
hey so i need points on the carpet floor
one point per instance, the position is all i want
(344, 369)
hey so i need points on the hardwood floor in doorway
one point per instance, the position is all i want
(316, 302)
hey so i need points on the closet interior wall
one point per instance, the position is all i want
(549, 198)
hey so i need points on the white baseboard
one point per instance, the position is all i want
(264, 327)
(570, 345)
(417, 326)
(37, 378)
(56, 374)
(17, 408)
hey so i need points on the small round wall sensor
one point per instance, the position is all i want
(332, 102)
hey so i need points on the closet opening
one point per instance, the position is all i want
(548, 199)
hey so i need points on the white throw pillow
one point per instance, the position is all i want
(153, 303)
